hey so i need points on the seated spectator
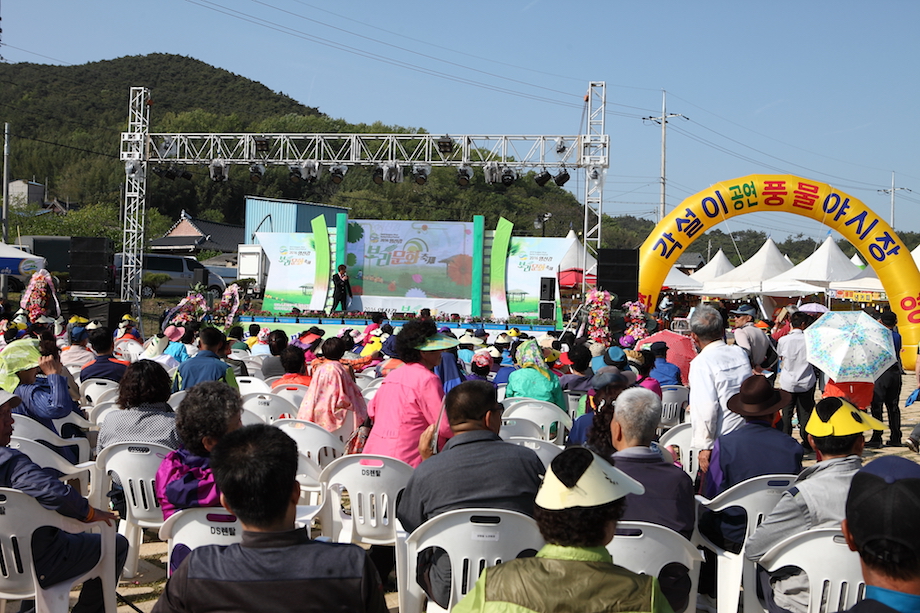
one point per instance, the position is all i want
(271, 365)
(175, 349)
(77, 353)
(333, 391)
(480, 367)
(469, 344)
(644, 367)
(612, 356)
(881, 510)
(156, 352)
(607, 387)
(292, 359)
(260, 347)
(57, 555)
(238, 366)
(835, 431)
(145, 413)
(483, 471)
(106, 365)
(579, 378)
(206, 365)
(449, 371)
(190, 338)
(276, 567)
(663, 371)
(208, 412)
(577, 510)
(533, 379)
(236, 339)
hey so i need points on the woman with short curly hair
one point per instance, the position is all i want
(410, 398)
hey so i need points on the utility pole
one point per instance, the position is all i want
(663, 120)
(892, 191)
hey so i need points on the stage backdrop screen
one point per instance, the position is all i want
(292, 270)
(404, 266)
(529, 260)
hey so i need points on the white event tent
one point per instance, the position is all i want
(748, 278)
(681, 281)
(716, 267)
(814, 274)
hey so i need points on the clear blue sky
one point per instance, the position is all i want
(822, 89)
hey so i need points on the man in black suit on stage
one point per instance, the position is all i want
(341, 289)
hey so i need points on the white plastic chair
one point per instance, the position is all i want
(312, 492)
(74, 369)
(648, 548)
(270, 380)
(136, 465)
(176, 399)
(757, 496)
(47, 458)
(110, 394)
(240, 354)
(347, 428)
(553, 420)
(375, 383)
(473, 539)
(373, 483)
(573, 399)
(252, 385)
(26, 427)
(95, 413)
(249, 418)
(674, 401)
(520, 428)
(198, 527)
(365, 378)
(74, 420)
(679, 436)
(500, 391)
(314, 441)
(268, 406)
(545, 450)
(835, 579)
(507, 402)
(92, 389)
(21, 515)
(291, 391)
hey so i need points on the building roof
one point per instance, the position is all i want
(690, 259)
(211, 235)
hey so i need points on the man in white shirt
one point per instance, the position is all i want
(77, 353)
(716, 375)
(797, 376)
(749, 337)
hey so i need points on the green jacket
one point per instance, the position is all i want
(530, 383)
(559, 575)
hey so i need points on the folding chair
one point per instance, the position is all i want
(47, 458)
(136, 464)
(26, 427)
(647, 548)
(92, 389)
(520, 428)
(21, 515)
(198, 527)
(679, 436)
(268, 406)
(545, 450)
(551, 419)
(473, 539)
(835, 580)
(252, 385)
(291, 391)
(573, 400)
(757, 496)
(373, 483)
(674, 401)
(176, 399)
(313, 441)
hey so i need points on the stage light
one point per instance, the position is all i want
(170, 173)
(294, 174)
(183, 173)
(393, 173)
(420, 173)
(508, 177)
(378, 175)
(134, 169)
(156, 170)
(306, 171)
(542, 178)
(218, 171)
(464, 176)
(338, 173)
(560, 146)
(262, 144)
(445, 145)
(491, 173)
(255, 172)
(562, 177)
(593, 174)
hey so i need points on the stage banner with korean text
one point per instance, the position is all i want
(404, 266)
(292, 270)
(529, 260)
(877, 243)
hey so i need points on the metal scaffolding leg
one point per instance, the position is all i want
(134, 155)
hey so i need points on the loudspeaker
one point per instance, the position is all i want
(200, 277)
(108, 314)
(618, 273)
(91, 264)
(547, 288)
(547, 310)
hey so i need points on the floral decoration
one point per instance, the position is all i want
(635, 320)
(598, 305)
(225, 312)
(39, 296)
(193, 307)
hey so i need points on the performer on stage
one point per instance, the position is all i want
(341, 289)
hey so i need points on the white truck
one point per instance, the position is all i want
(252, 263)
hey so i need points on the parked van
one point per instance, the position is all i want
(181, 270)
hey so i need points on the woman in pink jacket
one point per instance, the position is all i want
(410, 397)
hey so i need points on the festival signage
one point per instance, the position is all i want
(292, 273)
(404, 266)
(529, 260)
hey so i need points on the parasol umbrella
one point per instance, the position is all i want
(813, 307)
(850, 346)
(680, 349)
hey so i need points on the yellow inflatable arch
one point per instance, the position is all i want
(875, 240)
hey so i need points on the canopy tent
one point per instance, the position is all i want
(858, 260)
(815, 273)
(865, 281)
(748, 278)
(574, 263)
(717, 266)
(682, 282)
(16, 262)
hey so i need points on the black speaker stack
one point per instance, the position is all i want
(618, 273)
(92, 265)
(547, 298)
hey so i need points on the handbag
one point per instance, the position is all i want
(358, 438)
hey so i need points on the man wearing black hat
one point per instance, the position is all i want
(835, 431)
(663, 371)
(881, 512)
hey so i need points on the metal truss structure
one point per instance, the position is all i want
(495, 154)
